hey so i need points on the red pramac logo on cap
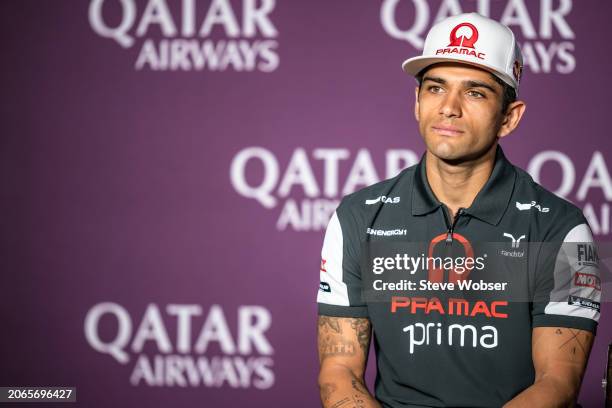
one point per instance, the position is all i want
(462, 41)
(461, 44)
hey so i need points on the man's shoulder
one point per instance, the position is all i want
(393, 190)
(547, 207)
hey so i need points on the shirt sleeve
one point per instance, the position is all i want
(340, 277)
(568, 283)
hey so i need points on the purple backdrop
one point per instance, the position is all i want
(167, 172)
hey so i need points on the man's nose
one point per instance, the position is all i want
(451, 105)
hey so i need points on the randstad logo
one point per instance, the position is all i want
(461, 44)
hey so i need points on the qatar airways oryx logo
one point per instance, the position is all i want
(542, 28)
(248, 41)
(166, 353)
(460, 44)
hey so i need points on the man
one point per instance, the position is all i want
(522, 338)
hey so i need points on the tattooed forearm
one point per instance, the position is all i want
(353, 402)
(341, 403)
(342, 336)
(358, 386)
(336, 392)
(337, 395)
(333, 346)
(331, 322)
(327, 390)
(343, 348)
(362, 329)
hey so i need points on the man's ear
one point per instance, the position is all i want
(416, 104)
(512, 118)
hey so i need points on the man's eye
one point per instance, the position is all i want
(475, 94)
(434, 89)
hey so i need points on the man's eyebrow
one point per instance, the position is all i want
(479, 84)
(467, 84)
(435, 79)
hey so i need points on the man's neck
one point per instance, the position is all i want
(457, 185)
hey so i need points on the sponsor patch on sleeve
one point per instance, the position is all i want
(587, 280)
(583, 302)
(324, 287)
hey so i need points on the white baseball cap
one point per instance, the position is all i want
(472, 39)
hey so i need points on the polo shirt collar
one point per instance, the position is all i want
(491, 201)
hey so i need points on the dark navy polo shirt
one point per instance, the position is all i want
(527, 255)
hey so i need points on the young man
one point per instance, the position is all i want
(521, 337)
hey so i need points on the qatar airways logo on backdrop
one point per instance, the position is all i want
(216, 355)
(307, 201)
(306, 191)
(174, 36)
(582, 189)
(548, 38)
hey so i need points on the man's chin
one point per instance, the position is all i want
(455, 155)
(448, 153)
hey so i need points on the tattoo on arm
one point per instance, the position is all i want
(575, 342)
(348, 338)
(341, 403)
(330, 346)
(359, 387)
(355, 402)
(331, 339)
(362, 329)
(331, 322)
(327, 390)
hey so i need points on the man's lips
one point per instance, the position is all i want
(447, 130)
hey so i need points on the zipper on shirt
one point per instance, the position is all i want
(451, 227)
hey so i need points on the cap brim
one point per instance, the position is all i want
(415, 65)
